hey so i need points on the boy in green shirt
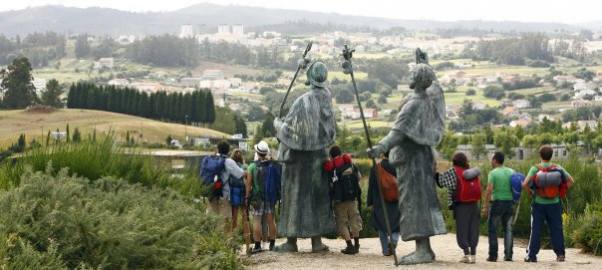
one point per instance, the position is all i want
(499, 192)
(548, 209)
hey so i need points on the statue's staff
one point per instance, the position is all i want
(348, 69)
(302, 64)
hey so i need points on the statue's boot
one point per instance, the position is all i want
(423, 253)
(317, 245)
(289, 246)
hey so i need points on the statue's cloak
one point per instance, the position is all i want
(422, 116)
(421, 125)
(305, 134)
(309, 124)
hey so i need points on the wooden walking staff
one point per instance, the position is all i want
(348, 69)
(299, 68)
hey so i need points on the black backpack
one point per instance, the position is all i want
(345, 187)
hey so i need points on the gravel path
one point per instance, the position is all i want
(444, 246)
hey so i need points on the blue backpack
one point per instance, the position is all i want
(516, 183)
(212, 167)
(268, 189)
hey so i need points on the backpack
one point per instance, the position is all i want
(467, 190)
(212, 168)
(211, 174)
(388, 183)
(516, 185)
(345, 186)
(550, 182)
(266, 182)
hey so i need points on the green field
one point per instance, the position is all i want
(37, 124)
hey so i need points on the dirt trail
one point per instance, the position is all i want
(444, 246)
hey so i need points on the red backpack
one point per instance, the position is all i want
(467, 191)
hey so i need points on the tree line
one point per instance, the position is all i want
(39, 48)
(197, 107)
(512, 51)
(164, 50)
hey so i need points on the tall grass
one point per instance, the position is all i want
(94, 160)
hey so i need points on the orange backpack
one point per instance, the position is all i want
(550, 190)
(388, 183)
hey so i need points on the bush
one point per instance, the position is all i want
(588, 231)
(494, 92)
(69, 222)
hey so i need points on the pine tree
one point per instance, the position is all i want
(267, 127)
(71, 96)
(194, 107)
(210, 109)
(202, 105)
(241, 126)
(17, 84)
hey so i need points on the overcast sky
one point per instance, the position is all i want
(568, 11)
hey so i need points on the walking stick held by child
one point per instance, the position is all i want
(348, 69)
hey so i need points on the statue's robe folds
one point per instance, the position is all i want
(305, 133)
(419, 127)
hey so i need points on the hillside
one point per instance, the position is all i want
(105, 21)
(36, 125)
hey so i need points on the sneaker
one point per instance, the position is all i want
(465, 259)
(491, 259)
(472, 259)
(349, 250)
(560, 258)
(272, 244)
(530, 260)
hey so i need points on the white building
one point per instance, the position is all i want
(40, 85)
(126, 39)
(235, 82)
(190, 81)
(119, 82)
(186, 31)
(215, 84)
(238, 30)
(581, 94)
(107, 62)
(223, 29)
(521, 104)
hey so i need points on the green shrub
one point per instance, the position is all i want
(71, 221)
(588, 230)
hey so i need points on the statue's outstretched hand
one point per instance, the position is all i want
(375, 151)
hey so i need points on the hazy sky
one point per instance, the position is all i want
(569, 11)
